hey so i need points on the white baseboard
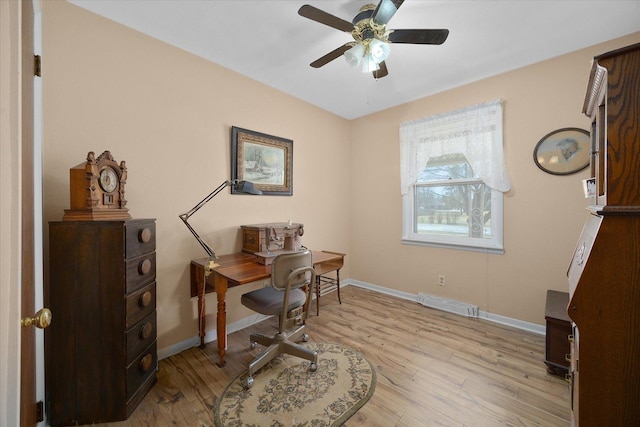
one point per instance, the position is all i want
(496, 318)
(209, 336)
(251, 320)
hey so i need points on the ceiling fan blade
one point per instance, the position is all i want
(385, 11)
(378, 74)
(419, 36)
(331, 55)
(325, 18)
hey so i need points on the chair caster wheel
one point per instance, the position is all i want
(248, 382)
(253, 345)
(305, 337)
(313, 367)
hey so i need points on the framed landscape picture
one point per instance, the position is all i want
(264, 160)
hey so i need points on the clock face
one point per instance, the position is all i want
(108, 179)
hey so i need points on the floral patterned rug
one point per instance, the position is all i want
(286, 393)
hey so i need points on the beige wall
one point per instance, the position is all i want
(168, 114)
(543, 213)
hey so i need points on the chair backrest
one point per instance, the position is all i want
(284, 264)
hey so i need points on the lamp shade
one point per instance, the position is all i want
(246, 187)
(369, 64)
(379, 50)
(354, 55)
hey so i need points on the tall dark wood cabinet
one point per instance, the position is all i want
(100, 350)
(604, 275)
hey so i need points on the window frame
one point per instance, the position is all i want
(493, 245)
(475, 133)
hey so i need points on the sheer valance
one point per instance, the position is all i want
(474, 131)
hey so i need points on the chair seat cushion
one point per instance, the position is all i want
(269, 301)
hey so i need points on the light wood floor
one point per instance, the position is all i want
(434, 369)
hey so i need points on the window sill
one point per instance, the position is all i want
(488, 250)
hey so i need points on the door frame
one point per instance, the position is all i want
(10, 212)
(20, 154)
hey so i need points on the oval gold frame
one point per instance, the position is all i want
(563, 152)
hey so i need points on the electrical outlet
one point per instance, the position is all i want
(441, 280)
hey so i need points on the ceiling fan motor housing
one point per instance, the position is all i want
(365, 29)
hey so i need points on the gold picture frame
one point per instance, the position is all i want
(264, 160)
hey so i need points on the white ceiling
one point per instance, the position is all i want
(268, 41)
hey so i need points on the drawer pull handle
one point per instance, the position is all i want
(570, 338)
(145, 331)
(567, 357)
(144, 267)
(145, 362)
(145, 299)
(568, 378)
(144, 235)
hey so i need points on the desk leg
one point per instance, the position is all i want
(221, 286)
(202, 312)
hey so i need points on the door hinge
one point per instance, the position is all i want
(37, 69)
(40, 411)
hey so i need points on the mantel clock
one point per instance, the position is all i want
(97, 190)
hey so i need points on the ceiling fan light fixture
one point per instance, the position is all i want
(379, 50)
(372, 39)
(354, 55)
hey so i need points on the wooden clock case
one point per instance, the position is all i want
(89, 200)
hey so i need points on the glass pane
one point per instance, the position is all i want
(448, 166)
(453, 210)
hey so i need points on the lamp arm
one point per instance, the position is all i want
(185, 217)
(204, 201)
(206, 247)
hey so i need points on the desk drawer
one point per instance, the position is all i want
(139, 304)
(140, 336)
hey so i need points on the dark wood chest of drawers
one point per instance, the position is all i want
(100, 350)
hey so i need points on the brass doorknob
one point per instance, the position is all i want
(41, 319)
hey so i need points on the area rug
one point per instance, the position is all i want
(286, 393)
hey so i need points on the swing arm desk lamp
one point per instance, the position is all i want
(241, 187)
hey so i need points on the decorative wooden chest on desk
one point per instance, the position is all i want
(271, 237)
(100, 350)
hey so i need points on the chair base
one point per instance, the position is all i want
(280, 343)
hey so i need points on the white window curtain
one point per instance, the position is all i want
(474, 131)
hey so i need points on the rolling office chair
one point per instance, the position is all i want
(290, 273)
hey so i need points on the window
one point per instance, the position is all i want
(453, 179)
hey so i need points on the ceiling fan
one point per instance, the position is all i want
(371, 45)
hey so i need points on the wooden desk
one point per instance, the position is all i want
(235, 270)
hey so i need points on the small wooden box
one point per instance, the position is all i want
(271, 237)
(557, 333)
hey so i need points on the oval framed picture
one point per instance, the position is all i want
(563, 151)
